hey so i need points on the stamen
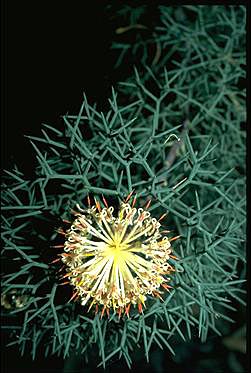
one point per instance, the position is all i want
(105, 202)
(148, 204)
(88, 201)
(174, 238)
(74, 295)
(162, 217)
(129, 196)
(97, 205)
(134, 201)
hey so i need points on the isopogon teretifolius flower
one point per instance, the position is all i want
(116, 261)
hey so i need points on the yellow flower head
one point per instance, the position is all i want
(116, 261)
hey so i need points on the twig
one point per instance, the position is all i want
(158, 51)
(176, 146)
(121, 30)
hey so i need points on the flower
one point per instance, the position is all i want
(116, 261)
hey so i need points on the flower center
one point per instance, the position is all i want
(114, 250)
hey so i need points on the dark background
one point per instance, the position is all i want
(53, 51)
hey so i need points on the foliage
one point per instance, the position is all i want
(192, 90)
